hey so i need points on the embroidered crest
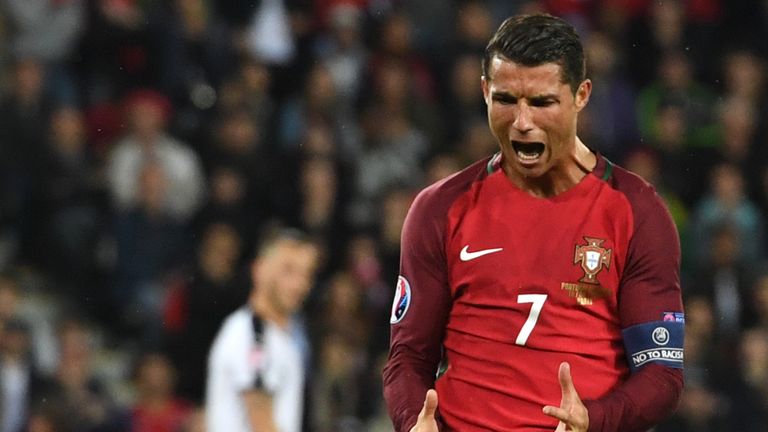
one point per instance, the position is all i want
(593, 258)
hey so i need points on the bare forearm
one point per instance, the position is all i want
(259, 408)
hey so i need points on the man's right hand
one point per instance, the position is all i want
(426, 421)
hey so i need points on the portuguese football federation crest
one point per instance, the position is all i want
(593, 258)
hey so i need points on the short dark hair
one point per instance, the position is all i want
(275, 233)
(533, 40)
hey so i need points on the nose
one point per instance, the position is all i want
(523, 121)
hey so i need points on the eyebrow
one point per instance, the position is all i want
(545, 97)
(542, 97)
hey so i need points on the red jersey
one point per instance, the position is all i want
(501, 287)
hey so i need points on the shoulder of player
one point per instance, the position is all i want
(642, 196)
(236, 324)
(622, 180)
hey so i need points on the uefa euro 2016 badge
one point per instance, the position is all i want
(402, 300)
(593, 258)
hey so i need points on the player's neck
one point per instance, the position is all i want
(561, 177)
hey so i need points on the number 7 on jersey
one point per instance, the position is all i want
(533, 316)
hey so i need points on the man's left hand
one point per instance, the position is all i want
(572, 413)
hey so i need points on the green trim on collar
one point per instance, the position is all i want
(608, 170)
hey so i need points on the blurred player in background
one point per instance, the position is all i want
(255, 371)
(541, 285)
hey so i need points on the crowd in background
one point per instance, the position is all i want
(144, 145)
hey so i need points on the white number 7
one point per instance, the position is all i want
(538, 303)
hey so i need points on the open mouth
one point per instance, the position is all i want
(528, 151)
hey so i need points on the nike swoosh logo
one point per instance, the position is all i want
(466, 255)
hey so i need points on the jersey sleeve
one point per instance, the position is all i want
(247, 363)
(242, 375)
(651, 315)
(419, 313)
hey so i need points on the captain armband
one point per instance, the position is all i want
(658, 342)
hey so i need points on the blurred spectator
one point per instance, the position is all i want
(676, 82)
(614, 18)
(744, 76)
(683, 170)
(249, 89)
(750, 388)
(364, 264)
(343, 51)
(337, 385)
(726, 282)
(216, 288)
(48, 32)
(576, 12)
(48, 418)
(196, 421)
(322, 194)
(269, 36)
(738, 123)
(663, 27)
(394, 207)
(9, 299)
(19, 380)
(229, 202)
(193, 53)
(75, 389)
(611, 125)
(340, 342)
(115, 54)
(463, 101)
(727, 204)
(703, 355)
(318, 102)
(156, 408)
(760, 299)
(35, 311)
(441, 166)
(396, 92)
(147, 113)
(475, 142)
(701, 410)
(73, 203)
(245, 183)
(22, 112)
(394, 146)
(474, 27)
(149, 246)
(395, 47)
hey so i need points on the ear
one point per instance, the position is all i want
(485, 84)
(582, 94)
